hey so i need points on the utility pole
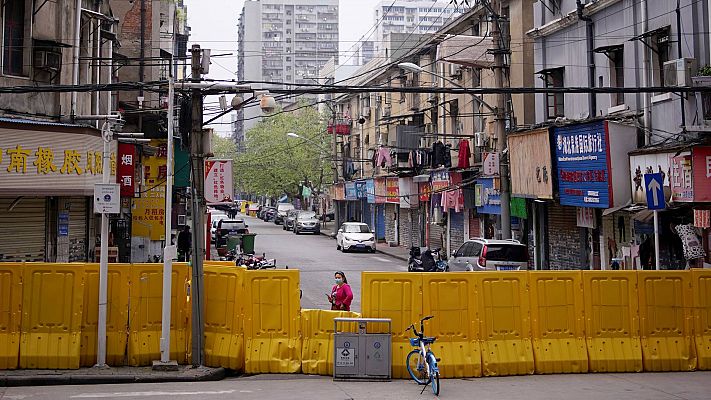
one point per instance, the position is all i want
(336, 208)
(197, 155)
(500, 119)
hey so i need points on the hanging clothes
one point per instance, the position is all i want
(447, 156)
(383, 158)
(438, 151)
(464, 154)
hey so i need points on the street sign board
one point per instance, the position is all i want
(654, 183)
(107, 198)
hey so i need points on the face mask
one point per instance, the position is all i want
(339, 281)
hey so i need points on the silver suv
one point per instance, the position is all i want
(490, 255)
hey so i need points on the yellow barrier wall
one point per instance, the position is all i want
(51, 316)
(217, 263)
(504, 323)
(317, 333)
(145, 296)
(10, 314)
(116, 316)
(452, 299)
(272, 327)
(665, 300)
(558, 322)
(612, 321)
(224, 317)
(701, 287)
(397, 296)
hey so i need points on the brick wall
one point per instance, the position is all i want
(390, 222)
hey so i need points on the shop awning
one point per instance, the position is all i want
(615, 209)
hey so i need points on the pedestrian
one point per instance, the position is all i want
(341, 294)
(184, 244)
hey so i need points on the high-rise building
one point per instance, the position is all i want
(411, 16)
(284, 41)
(367, 51)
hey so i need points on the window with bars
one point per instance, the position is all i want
(14, 37)
(555, 102)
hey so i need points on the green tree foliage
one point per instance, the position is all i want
(223, 148)
(275, 164)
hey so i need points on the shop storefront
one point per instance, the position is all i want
(392, 203)
(379, 198)
(47, 177)
(410, 219)
(438, 216)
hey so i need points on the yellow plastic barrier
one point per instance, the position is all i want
(10, 314)
(145, 296)
(398, 296)
(558, 322)
(504, 323)
(224, 317)
(612, 321)
(116, 316)
(701, 286)
(272, 327)
(52, 299)
(317, 333)
(452, 299)
(665, 300)
(218, 263)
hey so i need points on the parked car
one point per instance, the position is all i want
(215, 217)
(289, 219)
(227, 226)
(260, 211)
(281, 210)
(270, 214)
(306, 221)
(355, 236)
(490, 255)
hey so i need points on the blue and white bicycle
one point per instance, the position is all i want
(421, 362)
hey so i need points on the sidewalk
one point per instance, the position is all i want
(95, 376)
(399, 252)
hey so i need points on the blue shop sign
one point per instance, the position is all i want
(351, 191)
(370, 191)
(490, 197)
(581, 153)
(360, 189)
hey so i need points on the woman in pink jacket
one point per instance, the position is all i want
(341, 293)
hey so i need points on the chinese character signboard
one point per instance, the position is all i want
(351, 191)
(682, 187)
(107, 198)
(490, 197)
(530, 163)
(490, 165)
(588, 174)
(360, 189)
(218, 182)
(702, 173)
(392, 191)
(370, 190)
(148, 210)
(125, 170)
(381, 192)
(52, 163)
(586, 217)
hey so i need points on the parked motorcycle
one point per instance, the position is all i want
(422, 259)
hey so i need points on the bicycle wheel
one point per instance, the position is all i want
(434, 376)
(416, 367)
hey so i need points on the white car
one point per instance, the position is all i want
(215, 218)
(355, 236)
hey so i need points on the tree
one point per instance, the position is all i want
(275, 164)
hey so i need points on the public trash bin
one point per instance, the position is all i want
(248, 243)
(234, 240)
(362, 355)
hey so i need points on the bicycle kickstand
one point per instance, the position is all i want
(424, 387)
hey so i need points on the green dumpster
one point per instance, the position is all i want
(234, 240)
(248, 243)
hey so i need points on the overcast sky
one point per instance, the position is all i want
(214, 26)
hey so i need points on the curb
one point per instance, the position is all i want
(213, 374)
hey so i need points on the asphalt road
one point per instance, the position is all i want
(317, 259)
(644, 386)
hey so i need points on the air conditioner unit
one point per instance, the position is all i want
(47, 60)
(480, 139)
(365, 112)
(455, 71)
(678, 72)
(387, 111)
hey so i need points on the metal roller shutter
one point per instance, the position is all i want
(474, 224)
(437, 236)
(565, 240)
(77, 229)
(22, 229)
(456, 233)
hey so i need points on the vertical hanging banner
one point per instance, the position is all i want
(126, 169)
(218, 182)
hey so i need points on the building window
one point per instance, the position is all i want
(14, 34)
(554, 101)
(617, 74)
(660, 55)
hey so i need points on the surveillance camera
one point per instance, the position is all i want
(267, 103)
(361, 120)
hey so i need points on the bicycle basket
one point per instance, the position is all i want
(415, 342)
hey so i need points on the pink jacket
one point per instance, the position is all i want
(342, 296)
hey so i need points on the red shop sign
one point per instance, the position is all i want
(702, 173)
(125, 170)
